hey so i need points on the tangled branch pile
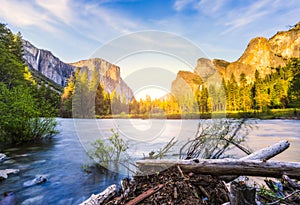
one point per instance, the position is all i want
(177, 188)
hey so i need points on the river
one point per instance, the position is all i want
(60, 160)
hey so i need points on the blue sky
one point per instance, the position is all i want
(74, 29)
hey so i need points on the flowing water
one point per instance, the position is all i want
(60, 160)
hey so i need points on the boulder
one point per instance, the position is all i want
(2, 157)
(39, 179)
(4, 173)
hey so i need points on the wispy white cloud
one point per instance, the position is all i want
(211, 7)
(253, 13)
(60, 10)
(25, 14)
(74, 24)
(100, 23)
(181, 4)
(89, 19)
(110, 18)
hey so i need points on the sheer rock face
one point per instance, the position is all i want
(109, 76)
(50, 66)
(263, 54)
(47, 64)
(287, 43)
(206, 71)
(186, 83)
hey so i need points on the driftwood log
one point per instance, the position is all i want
(222, 167)
(101, 197)
(268, 152)
(244, 166)
(263, 155)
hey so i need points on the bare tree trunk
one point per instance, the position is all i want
(222, 167)
(263, 155)
(268, 152)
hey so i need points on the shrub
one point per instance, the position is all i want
(20, 117)
(109, 152)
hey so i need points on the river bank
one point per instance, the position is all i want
(288, 113)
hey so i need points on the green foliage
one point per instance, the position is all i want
(81, 100)
(84, 97)
(22, 101)
(294, 89)
(20, 116)
(109, 152)
(12, 67)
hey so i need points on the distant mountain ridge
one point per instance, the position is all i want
(45, 63)
(261, 54)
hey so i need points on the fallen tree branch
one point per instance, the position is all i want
(144, 195)
(268, 152)
(284, 198)
(101, 197)
(222, 167)
(291, 182)
(263, 155)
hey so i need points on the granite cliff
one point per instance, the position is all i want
(110, 76)
(45, 63)
(261, 54)
(206, 71)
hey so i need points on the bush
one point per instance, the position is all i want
(107, 153)
(20, 116)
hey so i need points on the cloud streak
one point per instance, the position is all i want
(181, 4)
(73, 24)
(61, 11)
(25, 14)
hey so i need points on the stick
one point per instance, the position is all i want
(144, 195)
(276, 202)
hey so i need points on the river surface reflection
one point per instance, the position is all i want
(61, 159)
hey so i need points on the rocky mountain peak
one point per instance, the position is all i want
(205, 68)
(286, 44)
(105, 68)
(110, 76)
(47, 64)
(54, 69)
(262, 54)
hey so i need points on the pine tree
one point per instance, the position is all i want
(244, 91)
(81, 106)
(99, 101)
(233, 94)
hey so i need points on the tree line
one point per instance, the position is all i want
(85, 96)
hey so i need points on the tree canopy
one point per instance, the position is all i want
(26, 106)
